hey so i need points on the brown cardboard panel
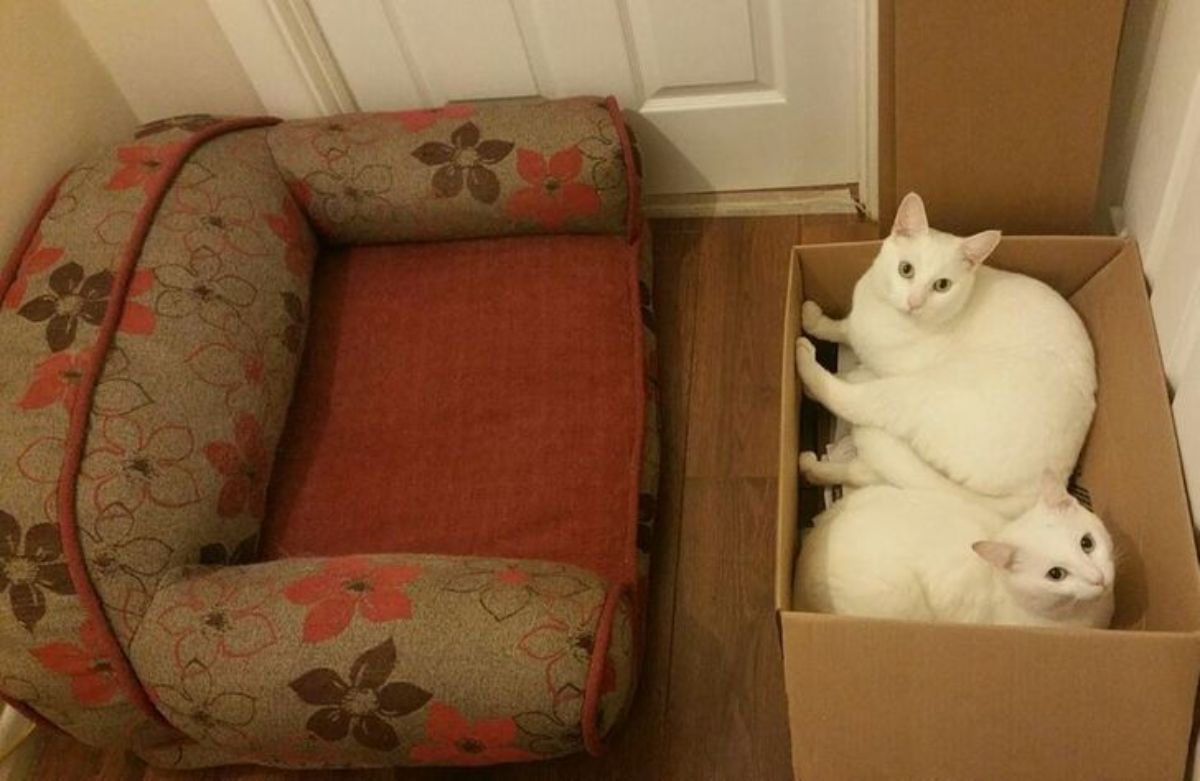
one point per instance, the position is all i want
(1130, 463)
(887, 112)
(1063, 262)
(894, 700)
(786, 528)
(1000, 109)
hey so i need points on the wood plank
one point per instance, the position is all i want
(739, 315)
(827, 228)
(728, 707)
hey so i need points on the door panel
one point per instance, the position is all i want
(727, 94)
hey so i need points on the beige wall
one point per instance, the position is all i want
(57, 105)
(168, 57)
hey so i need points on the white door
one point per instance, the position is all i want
(1162, 201)
(728, 94)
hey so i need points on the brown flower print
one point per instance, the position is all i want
(207, 716)
(345, 194)
(505, 588)
(202, 287)
(465, 154)
(31, 567)
(132, 466)
(361, 706)
(72, 297)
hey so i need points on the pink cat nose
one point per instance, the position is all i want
(915, 300)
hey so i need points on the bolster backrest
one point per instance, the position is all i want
(463, 171)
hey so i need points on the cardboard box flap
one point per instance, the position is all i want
(788, 514)
(1130, 464)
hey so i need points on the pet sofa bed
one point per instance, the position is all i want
(330, 443)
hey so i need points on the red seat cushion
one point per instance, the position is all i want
(477, 397)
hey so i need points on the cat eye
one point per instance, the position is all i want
(906, 269)
(1056, 573)
(1087, 543)
(942, 285)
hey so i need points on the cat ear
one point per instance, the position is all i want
(998, 554)
(977, 248)
(1053, 493)
(910, 217)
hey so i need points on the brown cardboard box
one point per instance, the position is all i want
(996, 111)
(907, 700)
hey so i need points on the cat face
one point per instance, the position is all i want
(1056, 558)
(925, 273)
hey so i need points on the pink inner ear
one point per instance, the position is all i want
(979, 247)
(998, 554)
(1054, 494)
(910, 217)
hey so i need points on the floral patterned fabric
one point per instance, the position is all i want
(459, 172)
(153, 324)
(389, 660)
(75, 272)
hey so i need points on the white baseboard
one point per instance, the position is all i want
(834, 200)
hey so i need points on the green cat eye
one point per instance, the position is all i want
(906, 269)
(1087, 543)
(1056, 573)
(942, 285)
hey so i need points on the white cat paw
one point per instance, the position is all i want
(811, 316)
(806, 356)
(808, 464)
(812, 375)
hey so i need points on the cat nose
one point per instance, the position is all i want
(915, 300)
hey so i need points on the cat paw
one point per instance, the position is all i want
(812, 374)
(808, 464)
(811, 316)
(806, 356)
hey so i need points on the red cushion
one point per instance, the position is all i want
(478, 397)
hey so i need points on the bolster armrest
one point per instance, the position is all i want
(386, 660)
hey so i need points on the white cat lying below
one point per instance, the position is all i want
(986, 376)
(886, 552)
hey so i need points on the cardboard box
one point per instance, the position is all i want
(908, 700)
(995, 112)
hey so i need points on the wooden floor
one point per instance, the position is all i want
(711, 703)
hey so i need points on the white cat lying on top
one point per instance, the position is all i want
(977, 380)
(886, 552)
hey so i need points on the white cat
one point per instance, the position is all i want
(983, 379)
(886, 552)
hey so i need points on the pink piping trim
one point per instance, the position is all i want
(593, 741)
(633, 210)
(13, 266)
